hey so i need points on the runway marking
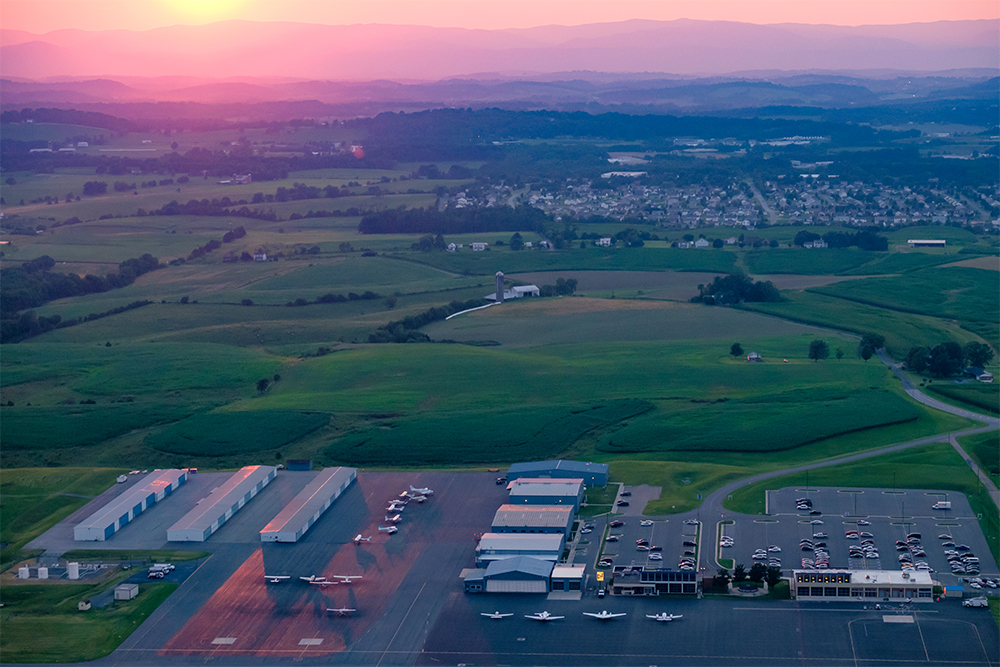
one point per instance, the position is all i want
(822, 611)
(224, 640)
(306, 641)
(897, 619)
(400, 627)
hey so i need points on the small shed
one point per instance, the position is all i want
(83, 605)
(126, 591)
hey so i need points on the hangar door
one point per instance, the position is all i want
(516, 586)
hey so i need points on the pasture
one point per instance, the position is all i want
(984, 450)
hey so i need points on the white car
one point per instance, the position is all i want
(690, 522)
(655, 556)
(646, 522)
(774, 547)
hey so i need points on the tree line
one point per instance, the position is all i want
(948, 358)
(864, 239)
(470, 220)
(405, 330)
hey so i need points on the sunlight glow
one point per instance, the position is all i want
(204, 11)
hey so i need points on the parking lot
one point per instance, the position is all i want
(890, 515)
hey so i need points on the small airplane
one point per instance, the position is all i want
(396, 518)
(415, 497)
(324, 583)
(312, 578)
(393, 507)
(388, 529)
(496, 614)
(347, 578)
(358, 539)
(275, 579)
(424, 491)
(604, 615)
(664, 618)
(543, 616)
(400, 501)
(342, 611)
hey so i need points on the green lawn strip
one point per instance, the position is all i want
(933, 466)
(994, 603)
(681, 482)
(148, 555)
(984, 449)
(32, 500)
(50, 629)
(978, 396)
(901, 330)
(807, 262)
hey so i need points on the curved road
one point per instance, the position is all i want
(712, 506)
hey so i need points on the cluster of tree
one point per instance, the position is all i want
(948, 358)
(234, 234)
(32, 284)
(453, 221)
(405, 330)
(426, 243)
(864, 239)
(24, 325)
(870, 343)
(431, 172)
(65, 223)
(337, 298)
(736, 288)
(562, 287)
(95, 188)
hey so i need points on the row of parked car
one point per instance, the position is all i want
(960, 556)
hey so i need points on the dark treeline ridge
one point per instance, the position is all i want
(70, 117)
(405, 330)
(454, 221)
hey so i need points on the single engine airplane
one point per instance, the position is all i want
(543, 616)
(347, 578)
(324, 583)
(395, 518)
(664, 618)
(496, 614)
(424, 491)
(342, 611)
(312, 578)
(275, 579)
(388, 529)
(358, 539)
(604, 615)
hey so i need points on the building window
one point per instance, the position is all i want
(871, 593)
(817, 591)
(830, 592)
(924, 592)
(804, 592)
(843, 592)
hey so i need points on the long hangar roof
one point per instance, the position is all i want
(560, 466)
(547, 486)
(541, 516)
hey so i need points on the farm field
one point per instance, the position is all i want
(970, 296)
(982, 397)
(836, 261)
(901, 330)
(984, 450)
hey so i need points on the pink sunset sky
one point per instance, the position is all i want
(40, 16)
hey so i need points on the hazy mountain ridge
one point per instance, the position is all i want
(311, 51)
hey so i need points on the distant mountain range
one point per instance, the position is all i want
(419, 54)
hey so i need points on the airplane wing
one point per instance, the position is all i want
(323, 584)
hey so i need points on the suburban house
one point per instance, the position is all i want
(260, 256)
(478, 247)
(978, 374)
(605, 242)
(702, 243)
(753, 356)
(451, 247)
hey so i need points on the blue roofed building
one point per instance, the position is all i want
(593, 474)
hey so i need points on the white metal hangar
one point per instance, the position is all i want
(533, 519)
(125, 508)
(306, 508)
(546, 491)
(493, 546)
(522, 574)
(593, 474)
(221, 504)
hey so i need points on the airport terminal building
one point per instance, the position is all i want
(868, 585)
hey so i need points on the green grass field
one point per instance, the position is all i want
(982, 397)
(32, 500)
(42, 624)
(227, 433)
(902, 331)
(984, 448)
(969, 296)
